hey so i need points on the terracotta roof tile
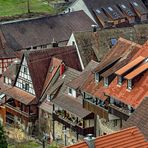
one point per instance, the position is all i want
(137, 71)
(130, 65)
(138, 92)
(130, 137)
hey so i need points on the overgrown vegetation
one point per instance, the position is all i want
(3, 141)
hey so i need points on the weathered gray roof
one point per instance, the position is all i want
(100, 42)
(41, 31)
(71, 105)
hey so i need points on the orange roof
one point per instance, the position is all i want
(130, 65)
(127, 138)
(138, 92)
(137, 71)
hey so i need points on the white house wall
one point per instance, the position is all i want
(79, 5)
(24, 78)
(71, 42)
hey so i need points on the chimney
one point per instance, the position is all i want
(94, 28)
(62, 68)
(90, 140)
(54, 43)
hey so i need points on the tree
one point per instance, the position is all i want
(28, 6)
(3, 141)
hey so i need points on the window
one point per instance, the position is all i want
(129, 84)
(123, 6)
(105, 81)
(98, 11)
(135, 3)
(72, 92)
(120, 80)
(27, 87)
(97, 77)
(110, 8)
(25, 70)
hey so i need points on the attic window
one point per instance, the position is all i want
(106, 82)
(98, 11)
(97, 77)
(129, 84)
(123, 6)
(120, 80)
(135, 3)
(110, 8)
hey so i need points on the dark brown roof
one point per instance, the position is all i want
(78, 82)
(68, 103)
(127, 10)
(139, 118)
(39, 60)
(139, 7)
(41, 31)
(113, 12)
(97, 4)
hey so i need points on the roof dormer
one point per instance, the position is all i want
(128, 68)
(132, 77)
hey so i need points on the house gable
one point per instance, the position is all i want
(24, 80)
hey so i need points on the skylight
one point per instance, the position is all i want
(98, 11)
(123, 6)
(135, 3)
(110, 8)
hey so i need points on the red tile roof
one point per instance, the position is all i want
(138, 92)
(127, 138)
(130, 65)
(137, 71)
(127, 50)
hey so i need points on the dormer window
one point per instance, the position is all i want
(120, 80)
(106, 82)
(110, 8)
(123, 6)
(135, 3)
(71, 92)
(97, 77)
(129, 84)
(49, 97)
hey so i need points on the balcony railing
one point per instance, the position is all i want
(17, 109)
(97, 109)
(119, 111)
(80, 130)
